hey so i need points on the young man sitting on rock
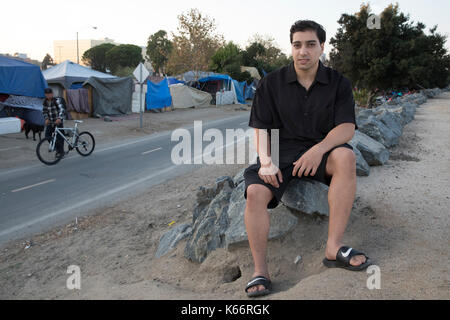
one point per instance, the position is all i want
(312, 106)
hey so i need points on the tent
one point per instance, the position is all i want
(240, 90)
(68, 73)
(111, 96)
(21, 78)
(172, 80)
(253, 72)
(186, 97)
(158, 95)
(223, 86)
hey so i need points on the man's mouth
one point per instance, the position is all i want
(303, 61)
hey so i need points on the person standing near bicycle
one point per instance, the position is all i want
(54, 113)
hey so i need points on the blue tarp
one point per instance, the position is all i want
(172, 80)
(239, 87)
(21, 78)
(216, 77)
(250, 90)
(158, 95)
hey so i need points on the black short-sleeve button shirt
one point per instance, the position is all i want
(304, 117)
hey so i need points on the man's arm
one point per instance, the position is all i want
(45, 113)
(341, 134)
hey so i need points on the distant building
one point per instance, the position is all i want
(67, 49)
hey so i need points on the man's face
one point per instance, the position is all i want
(306, 49)
(49, 96)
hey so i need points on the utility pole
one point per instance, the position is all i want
(78, 52)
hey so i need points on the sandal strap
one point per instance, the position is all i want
(259, 280)
(345, 254)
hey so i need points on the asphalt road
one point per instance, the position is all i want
(36, 198)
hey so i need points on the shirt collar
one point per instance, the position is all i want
(321, 75)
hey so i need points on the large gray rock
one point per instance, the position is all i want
(210, 223)
(239, 177)
(171, 238)
(281, 220)
(410, 110)
(373, 152)
(377, 130)
(362, 167)
(392, 120)
(307, 196)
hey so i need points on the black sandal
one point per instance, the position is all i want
(343, 257)
(259, 280)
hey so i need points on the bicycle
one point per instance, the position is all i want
(83, 142)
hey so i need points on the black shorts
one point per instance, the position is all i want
(251, 176)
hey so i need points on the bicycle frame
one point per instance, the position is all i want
(59, 131)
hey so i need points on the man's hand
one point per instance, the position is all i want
(47, 122)
(58, 122)
(308, 162)
(269, 173)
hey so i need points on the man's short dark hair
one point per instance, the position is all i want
(309, 25)
(48, 90)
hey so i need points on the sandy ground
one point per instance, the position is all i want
(16, 150)
(400, 219)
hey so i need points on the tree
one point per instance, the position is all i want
(95, 57)
(124, 55)
(159, 48)
(195, 43)
(264, 54)
(397, 55)
(228, 59)
(48, 61)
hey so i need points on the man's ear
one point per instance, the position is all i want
(322, 45)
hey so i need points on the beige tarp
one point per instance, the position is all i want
(253, 72)
(186, 97)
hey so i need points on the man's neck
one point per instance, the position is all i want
(307, 75)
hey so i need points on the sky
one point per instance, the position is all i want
(30, 26)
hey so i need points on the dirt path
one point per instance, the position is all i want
(400, 219)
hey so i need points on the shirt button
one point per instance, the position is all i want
(306, 113)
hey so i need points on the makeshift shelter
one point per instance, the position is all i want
(66, 79)
(158, 95)
(223, 88)
(253, 72)
(110, 96)
(68, 73)
(22, 90)
(21, 78)
(186, 97)
(172, 80)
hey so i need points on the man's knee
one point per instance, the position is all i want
(342, 159)
(258, 195)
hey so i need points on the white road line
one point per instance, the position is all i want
(243, 123)
(33, 185)
(6, 149)
(147, 152)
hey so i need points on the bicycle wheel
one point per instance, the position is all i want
(85, 143)
(45, 153)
